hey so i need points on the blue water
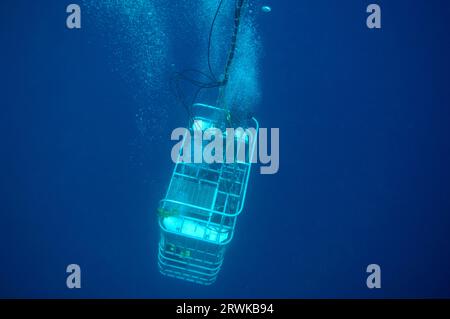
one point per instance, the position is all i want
(364, 176)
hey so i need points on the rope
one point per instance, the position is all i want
(237, 22)
(231, 53)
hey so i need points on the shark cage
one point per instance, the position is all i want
(197, 216)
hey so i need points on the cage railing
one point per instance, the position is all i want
(201, 205)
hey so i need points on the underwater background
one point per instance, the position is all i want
(86, 117)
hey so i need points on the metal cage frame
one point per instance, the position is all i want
(198, 214)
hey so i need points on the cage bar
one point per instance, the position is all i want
(198, 214)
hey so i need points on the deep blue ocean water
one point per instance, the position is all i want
(364, 152)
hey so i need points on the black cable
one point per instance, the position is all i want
(209, 40)
(184, 75)
(213, 83)
(237, 22)
(211, 80)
